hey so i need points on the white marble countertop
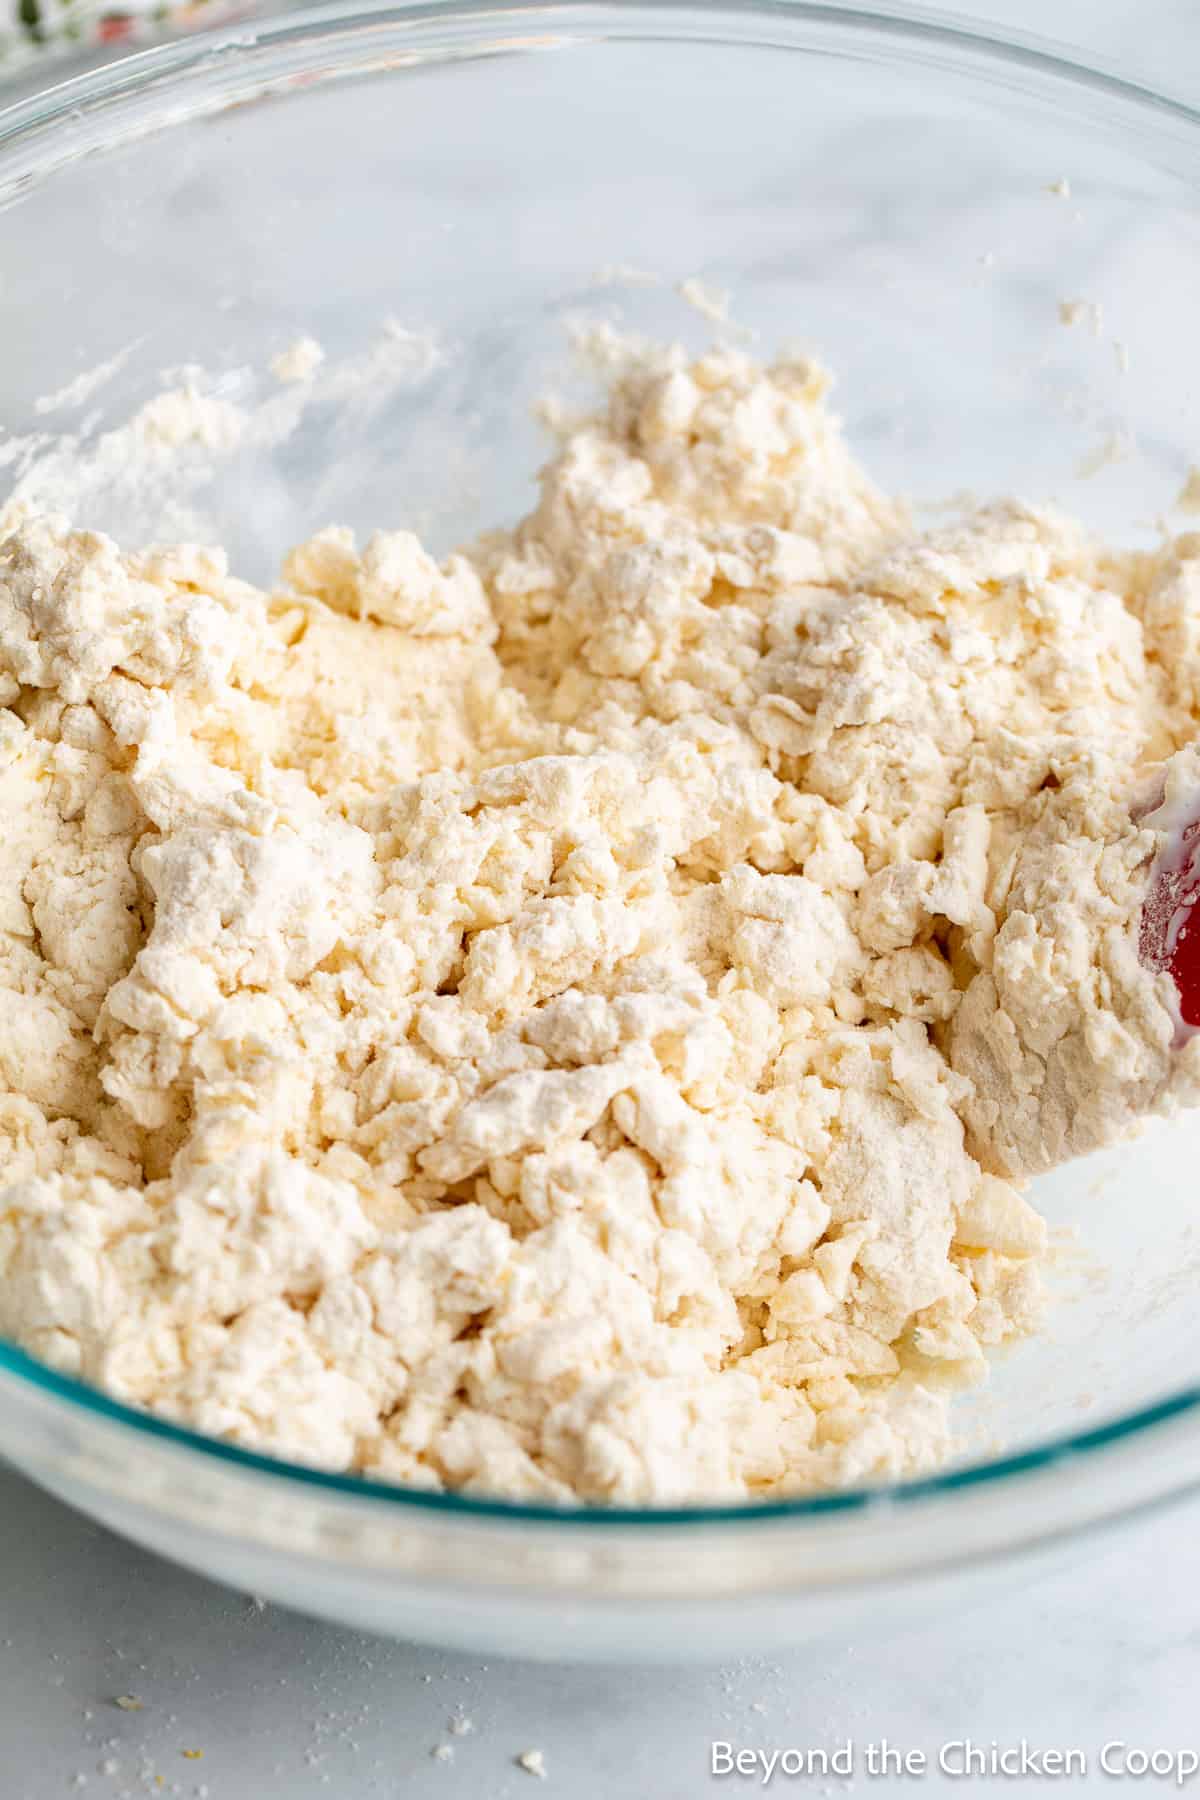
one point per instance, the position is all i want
(281, 1706)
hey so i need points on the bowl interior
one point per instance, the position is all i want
(442, 201)
(439, 220)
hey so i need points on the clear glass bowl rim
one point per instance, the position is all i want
(216, 68)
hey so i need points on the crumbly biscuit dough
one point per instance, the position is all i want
(573, 1021)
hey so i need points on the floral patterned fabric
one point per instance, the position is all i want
(29, 26)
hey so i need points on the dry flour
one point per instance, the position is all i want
(570, 1022)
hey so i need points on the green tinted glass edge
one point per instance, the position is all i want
(27, 1369)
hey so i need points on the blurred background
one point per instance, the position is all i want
(43, 41)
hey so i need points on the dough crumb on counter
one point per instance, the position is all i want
(299, 361)
(574, 1020)
(1082, 312)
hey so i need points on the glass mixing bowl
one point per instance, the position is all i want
(435, 193)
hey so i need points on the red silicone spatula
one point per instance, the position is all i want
(1169, 937)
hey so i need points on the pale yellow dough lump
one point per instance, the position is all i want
(570, 1022)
